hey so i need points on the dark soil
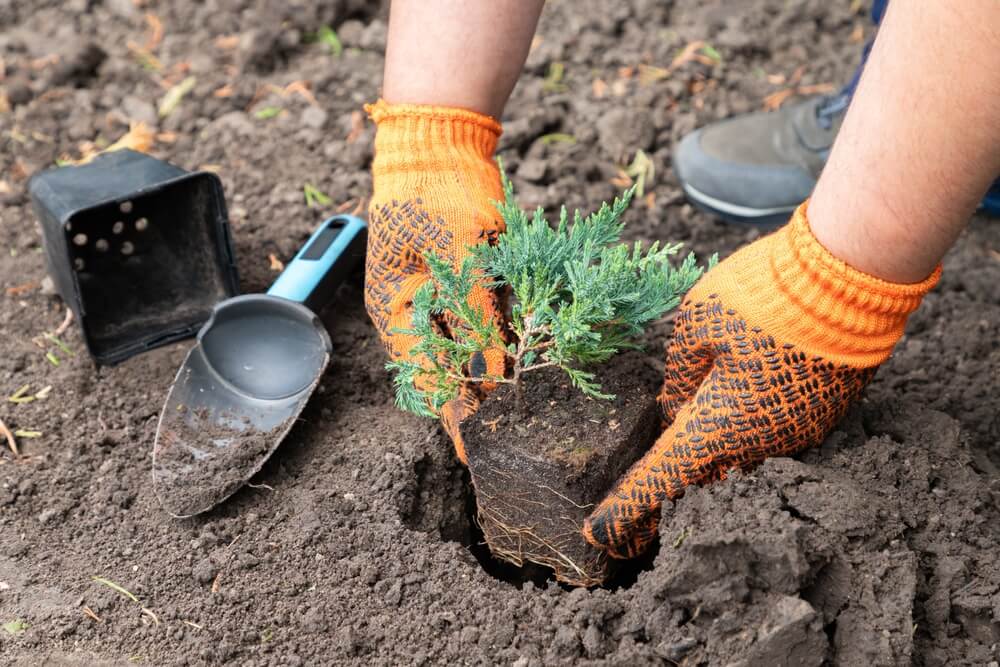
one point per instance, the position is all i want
(879, 548)
(538, 470)
(199, 460)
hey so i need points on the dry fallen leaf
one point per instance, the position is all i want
(144, 57)
(649, 74)
(797, 75)
(53, 94)
(19, 171)
(173, 97)
(260, 94)
(687, 54)
(138, 138)
(774, 101)
(44, 61)
(301, 88)
(224, 91)
(817, 89)
(11, 442)
(599, 88)
(641, 171)
(357, 126)
(21, 289)
(178, 71)
(622, 180)
(276, 264)
(155, 31)
(227, 42)
(215, 582)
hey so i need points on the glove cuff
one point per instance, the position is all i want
(414, 138)
(832, 309)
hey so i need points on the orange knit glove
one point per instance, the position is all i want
(435, 181)
(769, 350)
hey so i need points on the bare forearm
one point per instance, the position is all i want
(458, 54)
(920, 143)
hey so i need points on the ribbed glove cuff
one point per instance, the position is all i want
(418, 138)
(822, 304)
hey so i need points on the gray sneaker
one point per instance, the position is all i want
(755, 169)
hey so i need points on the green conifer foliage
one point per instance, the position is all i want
(578, 297)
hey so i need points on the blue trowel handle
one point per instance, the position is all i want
(323, 263)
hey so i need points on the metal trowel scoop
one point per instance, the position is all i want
(254, 365)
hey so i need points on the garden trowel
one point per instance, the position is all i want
(251, 371)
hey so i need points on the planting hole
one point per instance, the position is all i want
(118, 227)
(125, 207)
(127, 248)
(80, 239)
(78, 264)
(101, 245)
(141, 224)
(453, 517)
(622, 576)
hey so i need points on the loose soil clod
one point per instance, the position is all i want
(538, 474)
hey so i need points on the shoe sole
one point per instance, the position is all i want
(737, 214)
(773, 217)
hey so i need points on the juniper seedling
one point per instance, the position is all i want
(578, 297)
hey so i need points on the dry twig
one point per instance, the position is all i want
(67, 320)
(17, 290)
(11, 442)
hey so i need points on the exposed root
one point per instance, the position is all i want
(549, 488)
(518, 543)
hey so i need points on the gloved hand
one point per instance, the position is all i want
(769, 350)
(435, 181)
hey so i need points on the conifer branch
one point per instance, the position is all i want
(578, 298)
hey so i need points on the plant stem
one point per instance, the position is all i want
(523, 347)
(535, 367)
(465, 378)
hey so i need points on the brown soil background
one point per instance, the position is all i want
(879, 548)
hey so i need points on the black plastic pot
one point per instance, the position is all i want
(138, 248)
